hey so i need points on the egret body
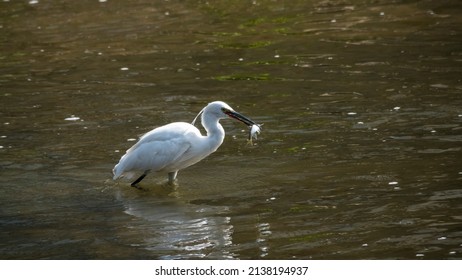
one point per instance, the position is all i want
(175, 146)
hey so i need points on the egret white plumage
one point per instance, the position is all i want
(175, 146)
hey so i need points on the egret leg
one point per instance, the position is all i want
(135, 183)
(172, 177)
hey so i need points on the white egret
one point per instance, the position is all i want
(175, 146)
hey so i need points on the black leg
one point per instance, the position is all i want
(172, 177)
(134, 184)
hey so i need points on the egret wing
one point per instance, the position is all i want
(157, 149)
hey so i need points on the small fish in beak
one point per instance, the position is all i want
(253, 132)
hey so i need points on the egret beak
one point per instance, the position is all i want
(239, 117)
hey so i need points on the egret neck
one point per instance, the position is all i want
(215, 131)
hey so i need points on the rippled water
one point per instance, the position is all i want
(359, 157)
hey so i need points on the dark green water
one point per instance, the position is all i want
(359, 157)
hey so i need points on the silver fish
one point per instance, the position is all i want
(254, 131)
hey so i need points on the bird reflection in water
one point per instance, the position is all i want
(175, 229)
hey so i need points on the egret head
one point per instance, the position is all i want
(221, 110)
(235, 115)
(217, 109)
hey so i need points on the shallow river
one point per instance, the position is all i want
(359, 157)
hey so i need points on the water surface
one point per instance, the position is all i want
(359, 157)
